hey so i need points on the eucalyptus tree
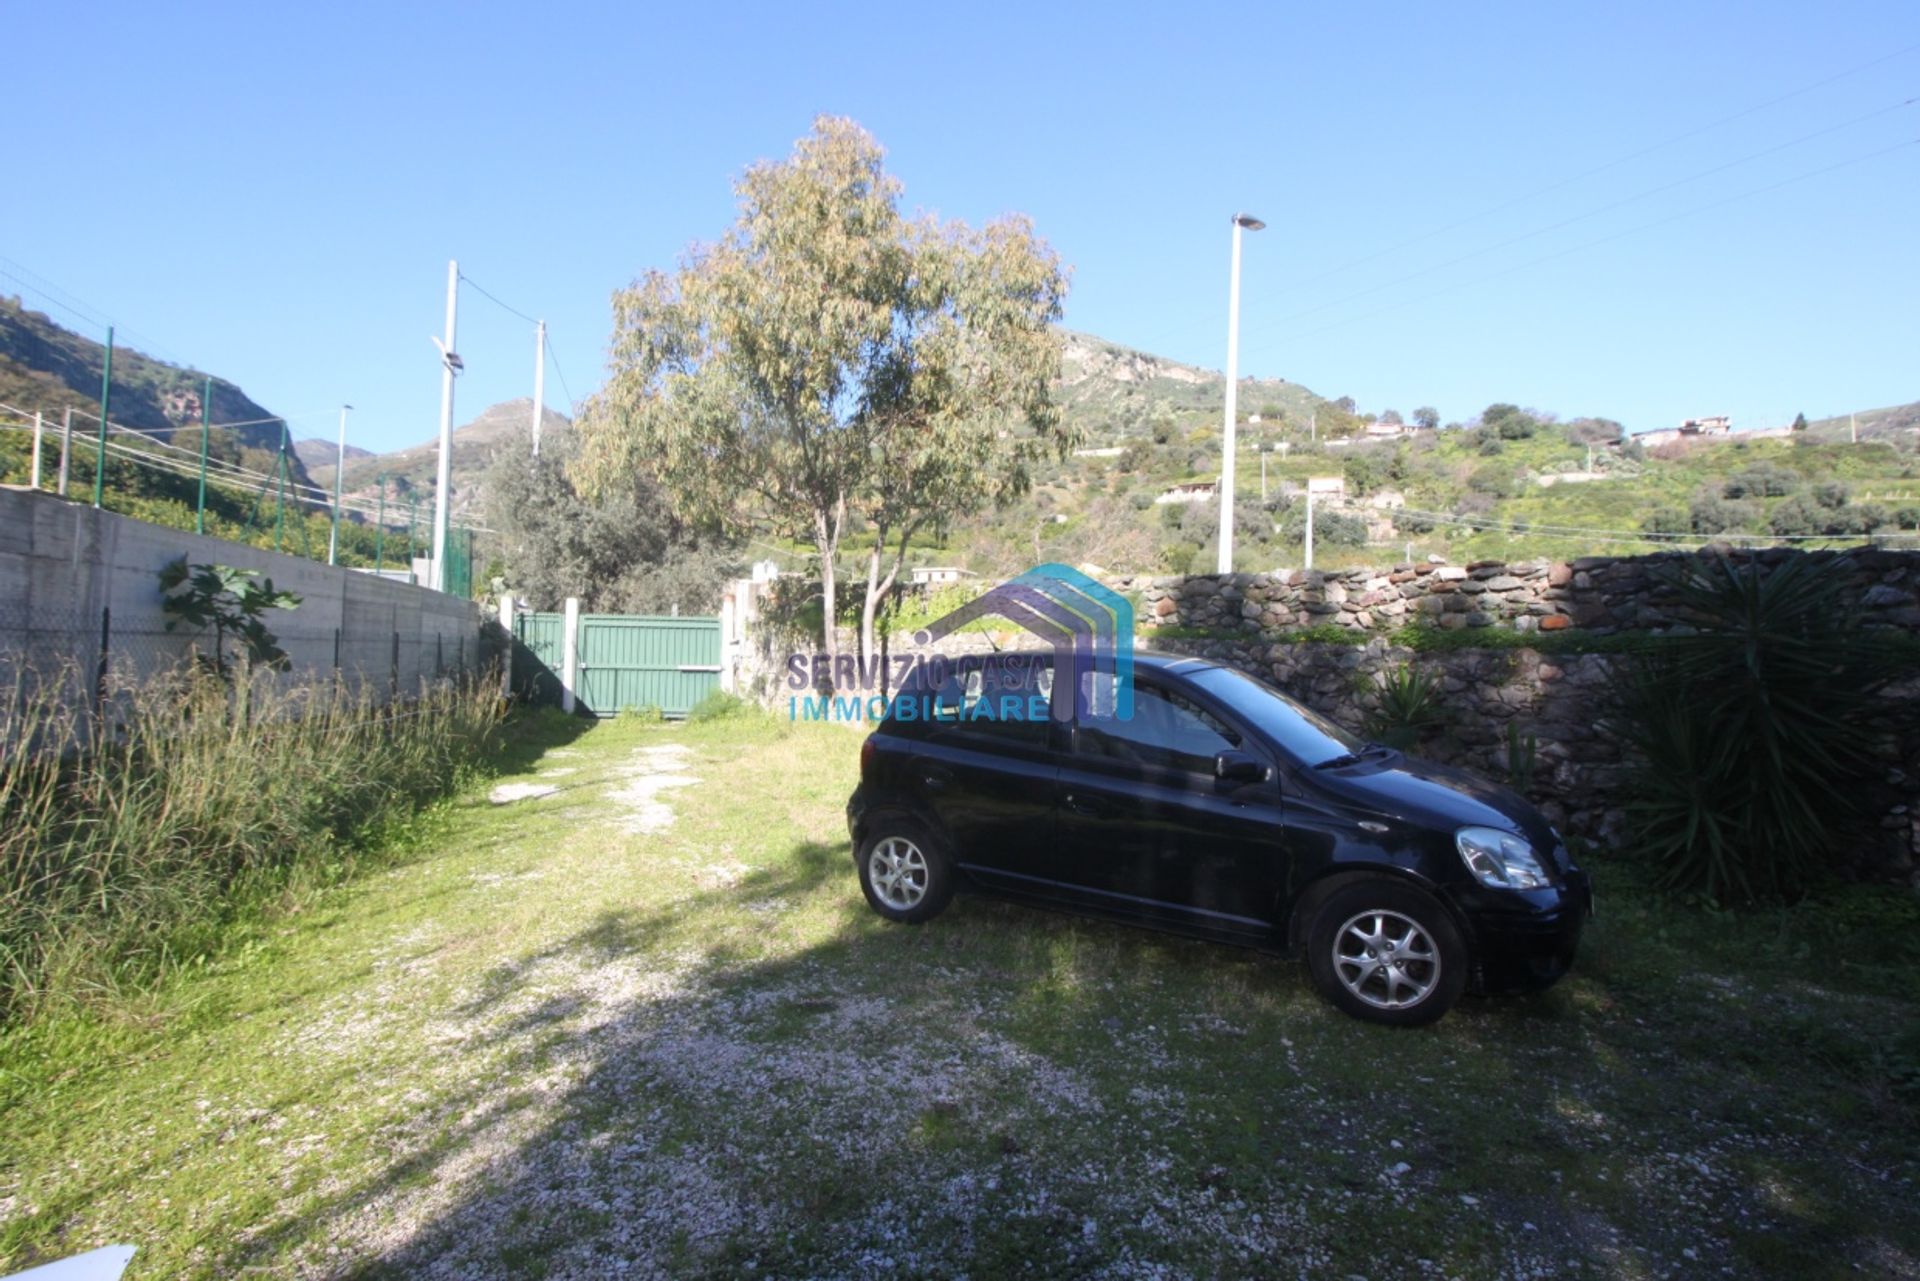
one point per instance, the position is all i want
(831, 363)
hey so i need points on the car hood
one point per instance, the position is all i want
(1435, 796)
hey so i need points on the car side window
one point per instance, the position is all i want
(997, 703)
(1166, 731)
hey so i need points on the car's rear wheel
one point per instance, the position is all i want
(904, 872)
(1387, 952)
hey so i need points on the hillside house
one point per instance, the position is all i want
(1718, 425)
(938, 575)
(1190, 491)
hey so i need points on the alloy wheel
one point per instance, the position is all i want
(898, 872)
(1386, 959)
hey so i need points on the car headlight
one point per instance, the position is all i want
(1499, 859)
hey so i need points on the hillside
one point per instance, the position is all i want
(411, 470)
(315, 452)
(44, 366)
(1896, 423)
(1527, 485)
(1523, 488)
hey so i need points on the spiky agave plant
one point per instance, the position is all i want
(1406, 707)
(1750, 733)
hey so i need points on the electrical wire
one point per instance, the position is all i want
(1599, 169)
(1590, 244)
(573, 406)
(482, 289)
(1398, 281)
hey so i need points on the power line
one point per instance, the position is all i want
(1396, 282)
(465, 278)
(89, 316)
(573, 406)
(1599, 169)
(1590, 244)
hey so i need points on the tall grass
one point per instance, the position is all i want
(123, 851)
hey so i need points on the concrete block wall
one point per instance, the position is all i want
(62, 563)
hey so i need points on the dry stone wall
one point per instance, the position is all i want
(1552, 702)
(1595, 594)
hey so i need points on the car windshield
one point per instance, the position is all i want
(1307, 736)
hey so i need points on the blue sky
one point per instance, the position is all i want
(273, 194)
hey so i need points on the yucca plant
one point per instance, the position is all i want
(1751, 732)
(1406, 707)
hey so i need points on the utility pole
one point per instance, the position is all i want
(339, 475)
(1249, 223)
(206, 428)
(280, 490)
(539, 380)
(380, 531)
(66, 447)
(38, 428)
(1853, 429)
(443, 473)
(1313, 425)
(106, 394)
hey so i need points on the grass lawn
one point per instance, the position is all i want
(647, 1024)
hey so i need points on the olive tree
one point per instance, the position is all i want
(832, 366)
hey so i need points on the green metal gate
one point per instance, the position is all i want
(623, 660)
(637, 660)
(537, 657)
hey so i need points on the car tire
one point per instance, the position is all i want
(1387, 952)
(904, 871)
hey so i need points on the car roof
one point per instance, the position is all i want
(1150, 659)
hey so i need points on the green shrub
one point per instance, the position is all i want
(1750, 734)
(720, 706)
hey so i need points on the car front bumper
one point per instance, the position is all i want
(1520, 947)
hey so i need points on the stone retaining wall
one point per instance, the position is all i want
(1556, 702)
(1600, 594)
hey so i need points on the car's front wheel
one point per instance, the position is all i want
(1388, 953)
(904, 872)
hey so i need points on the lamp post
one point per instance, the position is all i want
(1241, 222)
(450, 365)
(339, 477)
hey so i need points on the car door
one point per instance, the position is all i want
(1145, 827)
(987, 777)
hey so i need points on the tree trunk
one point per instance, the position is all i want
(827, 529)
(878, 585)
(869, 607)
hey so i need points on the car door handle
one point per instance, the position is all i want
(1084, 805)
(936, 777)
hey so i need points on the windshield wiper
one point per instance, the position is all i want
(1353, 758)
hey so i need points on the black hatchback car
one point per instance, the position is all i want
(1219, 808)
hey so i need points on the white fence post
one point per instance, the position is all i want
(569, 653)
(506, 660)
(729, 614)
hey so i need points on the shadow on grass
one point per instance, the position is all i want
(677, 1089)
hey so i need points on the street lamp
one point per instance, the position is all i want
(339, 476)
(1249, 223)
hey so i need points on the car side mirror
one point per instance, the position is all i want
(1235, 766)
